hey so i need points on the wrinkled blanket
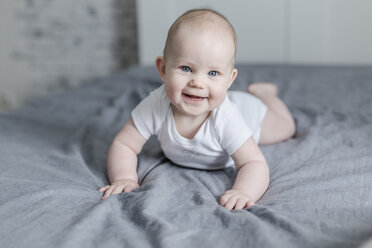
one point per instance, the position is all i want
(53, 161)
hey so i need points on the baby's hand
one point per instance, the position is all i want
(235, 199)
(119, 186)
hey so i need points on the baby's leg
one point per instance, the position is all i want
(278, 124)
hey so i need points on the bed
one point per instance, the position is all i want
(53, 161)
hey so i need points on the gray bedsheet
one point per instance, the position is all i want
(53, 161)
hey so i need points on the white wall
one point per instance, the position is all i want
(331, 31)
(279, 31)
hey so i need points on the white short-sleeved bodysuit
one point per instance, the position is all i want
(227, 128)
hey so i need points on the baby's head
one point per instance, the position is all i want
(198, 63)
(200, 20)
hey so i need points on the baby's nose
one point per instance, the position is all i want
(197, 81)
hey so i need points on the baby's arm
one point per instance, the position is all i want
(252, 179)
(122, 160)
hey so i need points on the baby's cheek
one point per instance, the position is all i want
(219, 96)
(170, 91)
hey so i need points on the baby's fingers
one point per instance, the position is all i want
(103, 189)
(230, 204)
(241, 203)
(224, 198)
(107, 193)
(118, 189)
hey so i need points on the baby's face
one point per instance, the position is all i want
(199, 69)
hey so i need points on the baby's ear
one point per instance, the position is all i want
(233, 75)
(160, 65)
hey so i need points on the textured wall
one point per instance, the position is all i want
(50, 45)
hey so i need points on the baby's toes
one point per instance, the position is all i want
(259, 89)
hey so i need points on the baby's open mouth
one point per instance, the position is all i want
(193, 98)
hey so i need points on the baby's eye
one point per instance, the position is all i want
(213, 73)
(185, 68)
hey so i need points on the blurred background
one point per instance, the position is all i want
(48, 46)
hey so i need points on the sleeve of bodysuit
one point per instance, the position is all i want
(149, 114)
(232, 129)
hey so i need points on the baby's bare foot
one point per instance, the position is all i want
(262, 89)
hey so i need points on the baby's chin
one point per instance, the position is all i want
(191, 110)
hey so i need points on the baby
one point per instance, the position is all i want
(198, 123)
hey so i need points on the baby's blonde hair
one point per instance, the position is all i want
(198, 16)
